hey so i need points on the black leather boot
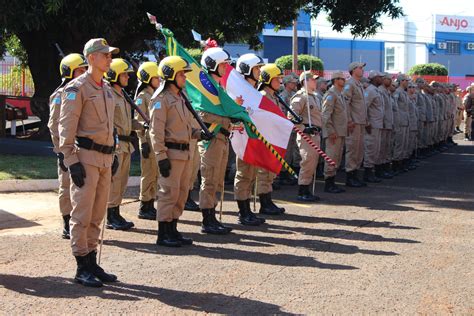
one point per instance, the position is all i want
(370, 177)
(331, 187)
(83, 275)
(281, 209)
(352, 181)
(245, 214)
(66, 234)
(210, 224)
(166, 237)
(123, 220)
(190, 205)
(179, 236)
(147, 210)
(247, 204)
(266, 205)
(388, 171)
(97, 270)
(304, 195)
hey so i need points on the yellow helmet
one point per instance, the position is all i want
(268, 72)
(171, 65)
(146, 71)
(117, 67)
(70, 63)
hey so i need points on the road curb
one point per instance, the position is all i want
(44, 185)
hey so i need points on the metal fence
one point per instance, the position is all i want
(15, 80)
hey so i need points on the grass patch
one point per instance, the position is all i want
(37, 167)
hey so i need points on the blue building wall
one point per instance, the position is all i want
(459, 64)
(337, 54)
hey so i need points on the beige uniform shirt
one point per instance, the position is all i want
(143, 102)
(396, 115)
(334, 113)
(286, 96)
(53, 122)
(429, 107)
(171, 122)
(355, 100)
(421, 106)
(299, 105)
(401, 98)
(87, 110)
(387, 107)
(123, 122)
(375, 106)
(413, 113)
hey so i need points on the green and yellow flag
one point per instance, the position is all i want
(204, 93)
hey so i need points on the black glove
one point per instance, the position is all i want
(205, 136)
(115, 165)
(312, 130)
(165, 167)
(78, 173)
(145, 150)
(61, 161)
(235, 120)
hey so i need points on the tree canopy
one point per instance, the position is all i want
(39, 24)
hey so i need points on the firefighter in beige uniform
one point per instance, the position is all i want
(372, 137)
(334, 117)
(269, 84)
(249, 66)
(72, 66)
(149, 81)
(305, 104)
(357, 116)
(385, 157)
(171, 131)
(214, 154)
(401, 138)
(124, 125)
(190, 205)
(87, 142)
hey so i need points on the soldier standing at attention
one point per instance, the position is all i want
(71, 67)
(149, 81)
(357, 116)
(86, 126)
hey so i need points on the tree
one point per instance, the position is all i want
(39, 24)
(309, 62)
(432, 69)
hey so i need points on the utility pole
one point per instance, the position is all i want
(295, 45)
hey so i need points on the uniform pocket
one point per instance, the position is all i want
(95, 106)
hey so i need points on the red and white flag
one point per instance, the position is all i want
(267, 117)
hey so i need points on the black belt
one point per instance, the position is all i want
(87, 143)
(125, 138)
(222, 130)
(177, 146)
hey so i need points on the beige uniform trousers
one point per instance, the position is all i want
(195, 162)
(412, 141)
(213, 165)
(309, 159)
(264, 181)
(89, 205)
(372, 144)
(244, 180)
(355, 148)
(400, 140)
(467, 127)
(385, 146)
(149, 177)
(173, 190)
(334, 151)
(64, 194)
(119, 180)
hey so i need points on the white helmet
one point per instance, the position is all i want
(246, 62)
(214, 56)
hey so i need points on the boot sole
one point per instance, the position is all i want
(88, 285)
(147, 218)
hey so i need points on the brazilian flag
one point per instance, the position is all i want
(204, 93)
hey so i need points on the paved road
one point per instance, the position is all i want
(401, 247)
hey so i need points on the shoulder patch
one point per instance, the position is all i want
(71, 89)
(366, 94)
(57, 100)
(71, 96)
(157, 105)
(329, 98)
(347, 87)
(139, 101)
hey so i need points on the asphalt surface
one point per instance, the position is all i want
(403, 246)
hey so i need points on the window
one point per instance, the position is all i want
(453, 48)
(390, 58)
